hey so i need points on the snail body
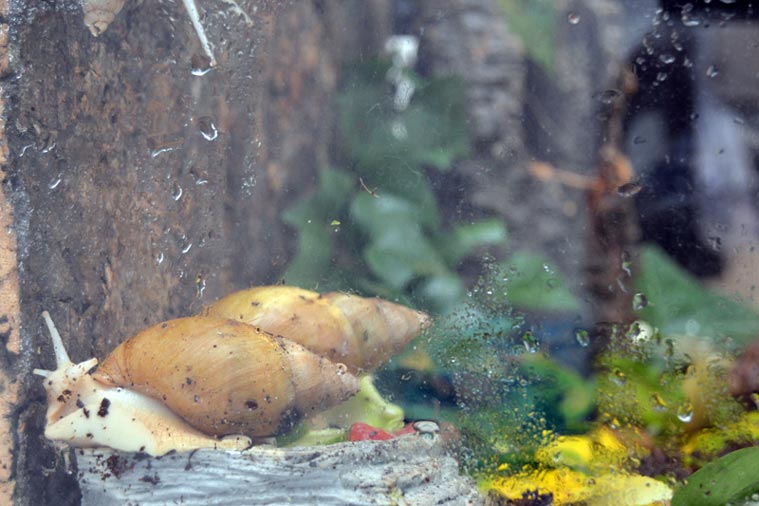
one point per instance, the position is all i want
(360, 332)
(181, 384)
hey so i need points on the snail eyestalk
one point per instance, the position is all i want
(61, 356)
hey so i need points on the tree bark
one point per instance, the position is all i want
(406, 470)
(137, 191)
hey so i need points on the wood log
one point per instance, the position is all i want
(411, 470)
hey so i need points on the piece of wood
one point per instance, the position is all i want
(410, 470)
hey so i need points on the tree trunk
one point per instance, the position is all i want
(135, 191)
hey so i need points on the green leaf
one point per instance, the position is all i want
(732, 478)
(311, 217)
(398, 251)
(431, 131)
(399, 261)
(534, 21)
(561, 388)
(412, 185)
(464, 239)
(678, 304)
(534, 284)
(442, 292)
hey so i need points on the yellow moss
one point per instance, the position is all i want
(570, 487)
(708, 443)
(600, 450)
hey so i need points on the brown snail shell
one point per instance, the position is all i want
(224, 377)
(358, 331)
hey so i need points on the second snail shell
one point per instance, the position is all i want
(361, 332)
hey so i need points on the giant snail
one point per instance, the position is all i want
(249, 366)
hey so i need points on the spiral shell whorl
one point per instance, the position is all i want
(382, 328)
(224, 377)
(360, 332)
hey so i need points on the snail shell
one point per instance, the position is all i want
(98, 14)
(226, 377)
(360, 332)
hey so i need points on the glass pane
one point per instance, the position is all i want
(514, 240)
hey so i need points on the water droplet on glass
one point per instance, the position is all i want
(46, 143)
(666, 58)
(426, 427)
(658, 402)
(207, 128)
(55, 182)
(159, 258)
(727, 1)
(164, 143)
(689, 20)
(618, 377)
(186, 248)
(583, 338)
(248, 183)
(712, 71)
(685, 412)
(609, 96)
(24, 149)
(342, 369)
(201, 64)
(552, 283)
(573, 18)
(715, 242)
(176, 192)
(639, 301)
(661, 76)
(639, 139)
(530, 342)
(406, 376)
(200, 285)
(629, 189)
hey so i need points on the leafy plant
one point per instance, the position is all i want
(726, 480)
(534, 21)
(380, 224)
(679, 305)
